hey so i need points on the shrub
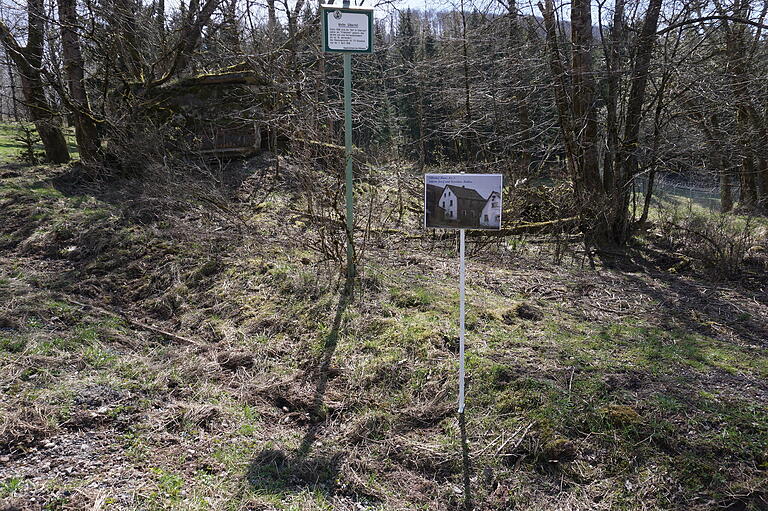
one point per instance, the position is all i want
(719, 242)
(27, 136)
(539, 203)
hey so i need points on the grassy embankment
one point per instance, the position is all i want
(195, 360)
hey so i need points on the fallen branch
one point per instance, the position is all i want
(517, 444)
(527, 228)
(327, 144)
(136, 324)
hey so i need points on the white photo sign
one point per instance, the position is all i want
(462, 201)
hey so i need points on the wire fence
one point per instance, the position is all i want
(668, 186)
(702, 192)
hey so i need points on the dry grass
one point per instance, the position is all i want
(628, 387)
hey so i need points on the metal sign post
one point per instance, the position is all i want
(348, 156)
(462, 201)
(347, 30)
(461, 321)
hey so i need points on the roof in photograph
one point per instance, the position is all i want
(434, 188)
(465, 193)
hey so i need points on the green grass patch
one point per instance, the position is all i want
(10, 486)
(414, 298)
(12, 343)
(11, 147)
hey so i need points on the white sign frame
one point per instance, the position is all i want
(467, 201)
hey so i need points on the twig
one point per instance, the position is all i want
(137, 324)
(519, 441)
(491, 444)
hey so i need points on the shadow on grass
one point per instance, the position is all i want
(466, 466)
(322, 374)
(146, 196)
(113, 182)
(277, 470)
(692, 303)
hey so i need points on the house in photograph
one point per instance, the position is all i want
(433, 212)
(491, 213)
(461, 205)
(462, 201)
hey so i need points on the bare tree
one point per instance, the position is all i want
(29, 63)
(86, 129)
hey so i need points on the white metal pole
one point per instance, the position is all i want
(461, 321)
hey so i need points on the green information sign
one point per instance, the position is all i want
(347, 29)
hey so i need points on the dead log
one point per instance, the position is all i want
(529, 228)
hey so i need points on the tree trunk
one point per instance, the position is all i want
(588, 184)
(522, 109)
(86, 130)
(14, 110)
(577, 113)
(271, 19)
(627, 161)
(614, 61)
(160, 20)
(468, 139)
(124, 25)
(762, 182)
(194, 18)
(753, 132)
(654, 147)
(47, 124)
(422, 135)
(726, 191)
(559, 86)
(714, 144)
(29, 61)
(748, 199)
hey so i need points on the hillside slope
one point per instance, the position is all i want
(190, 350)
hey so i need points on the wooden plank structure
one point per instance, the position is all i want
(217, 114)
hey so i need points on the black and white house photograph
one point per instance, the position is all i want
(462, 201)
